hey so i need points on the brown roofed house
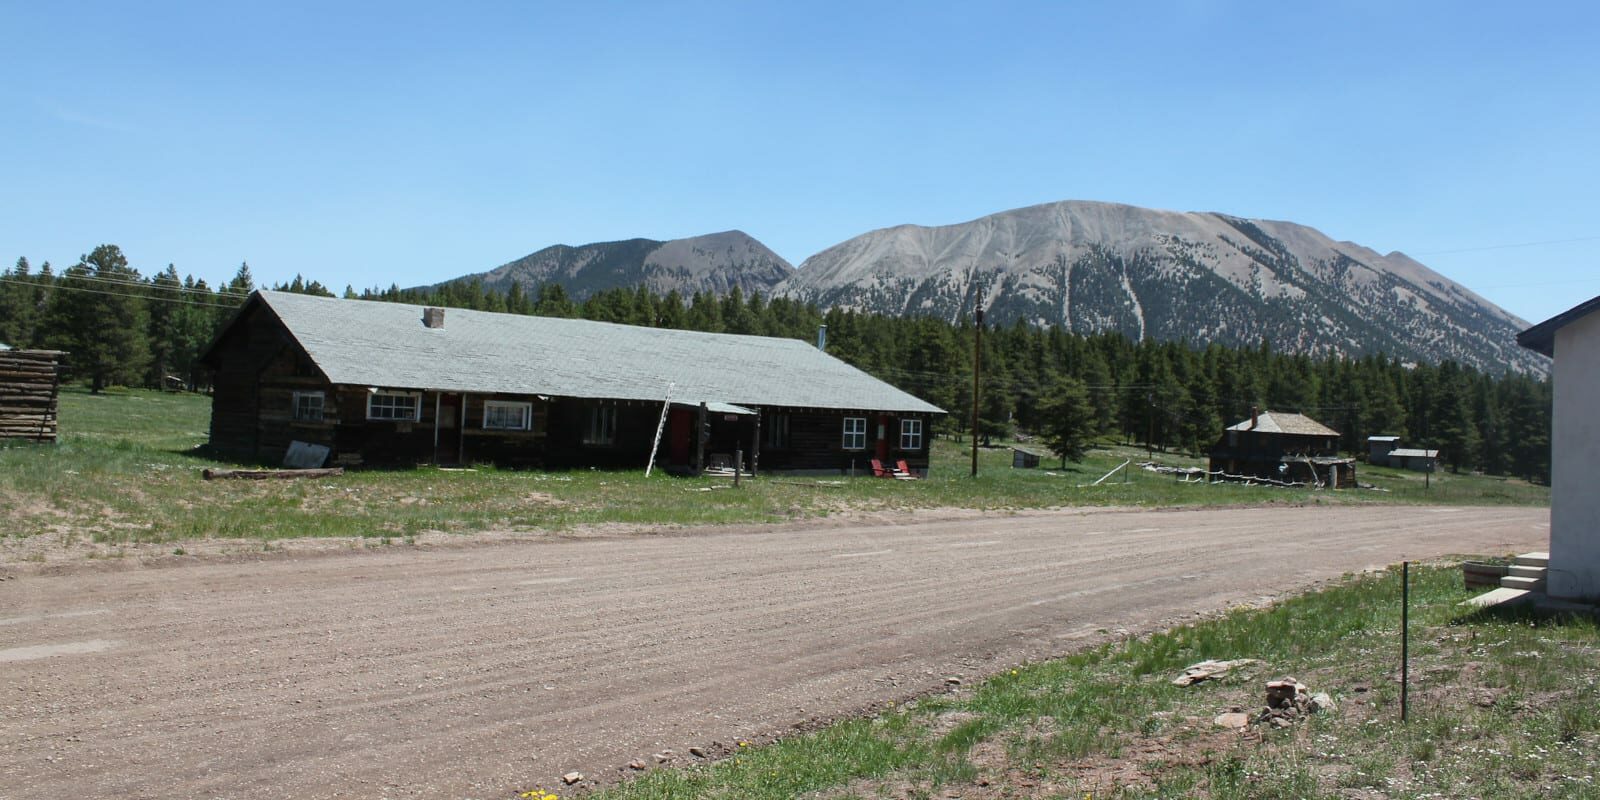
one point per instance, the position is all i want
(1281, 448)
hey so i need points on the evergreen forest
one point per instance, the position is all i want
(121, 327)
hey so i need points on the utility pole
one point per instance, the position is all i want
(977, 369)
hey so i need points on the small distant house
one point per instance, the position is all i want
(1278, 447)
(402, 384)
(30, 385)
(1385, 451)
(1573, 339)
(1414, 459)
(1379, 448)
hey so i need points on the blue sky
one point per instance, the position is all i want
(378, 143)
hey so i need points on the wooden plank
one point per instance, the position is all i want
(269, 474)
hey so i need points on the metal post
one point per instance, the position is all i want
(977, 369)
(1405, 636)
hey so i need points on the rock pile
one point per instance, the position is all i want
(1288, 700)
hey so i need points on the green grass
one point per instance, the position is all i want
(127, 470)
(1501, 706)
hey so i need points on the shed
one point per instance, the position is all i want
(1022, 458)
(1415, 459)
(1379, 448)
(395, 383)
(1573, 339)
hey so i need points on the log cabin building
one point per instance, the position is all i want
(1278, 447)
(386, 383)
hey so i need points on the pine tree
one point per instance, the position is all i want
(1069, 419)
(98, 316)
(18, 308)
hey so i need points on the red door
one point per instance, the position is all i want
(883, 439)
(680, 424)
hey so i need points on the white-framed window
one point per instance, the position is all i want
(507, 415)
(911, 434)
(602, 428)
(855, 433)
(402, 406)
(308, 406)
(775, 431)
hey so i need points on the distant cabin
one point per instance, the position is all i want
(387, 383)
(1281, 448)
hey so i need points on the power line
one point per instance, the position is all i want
(1509, 246)
(69, 288)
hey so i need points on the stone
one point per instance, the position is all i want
(1208, 670)
(571, 778)
(663, 757)
(1237, 720)
(1322, 701)
(952, 681)
(637, 764)
(697, 751)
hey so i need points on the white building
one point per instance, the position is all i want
(1573, 339)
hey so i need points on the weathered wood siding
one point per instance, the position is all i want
(238, 358)
(505, 448)
(30, 382)
(816, 442)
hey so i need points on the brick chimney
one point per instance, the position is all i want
(433, 317)
(1255, 414)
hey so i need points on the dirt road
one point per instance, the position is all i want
(475, 671)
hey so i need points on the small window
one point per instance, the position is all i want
(507, 415)
(602, 426)
(308, 406)
(911, 434)
(775, 431)
(855, 433)
(402, 406)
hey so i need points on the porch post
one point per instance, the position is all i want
(700, 439)
(755, 445)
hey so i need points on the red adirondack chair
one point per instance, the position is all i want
(879, 471)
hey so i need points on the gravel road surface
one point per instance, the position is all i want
(479, 670)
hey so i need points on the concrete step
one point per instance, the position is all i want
(1529, 584)
(1501, 596)
(1539, 559)
(1522, 571)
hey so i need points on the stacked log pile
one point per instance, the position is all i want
(29, 384)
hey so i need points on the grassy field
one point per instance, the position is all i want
(1502, 706)
(127, 471)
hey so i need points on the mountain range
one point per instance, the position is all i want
(1090, 267)
(714, 263)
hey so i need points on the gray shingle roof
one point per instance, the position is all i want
(386, 345)
(1406, 452)
(1282, 422)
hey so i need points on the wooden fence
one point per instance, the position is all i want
(30, 381)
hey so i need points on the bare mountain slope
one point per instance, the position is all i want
(713, 263)
(1193, 276)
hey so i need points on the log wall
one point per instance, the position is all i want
(30, 382)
